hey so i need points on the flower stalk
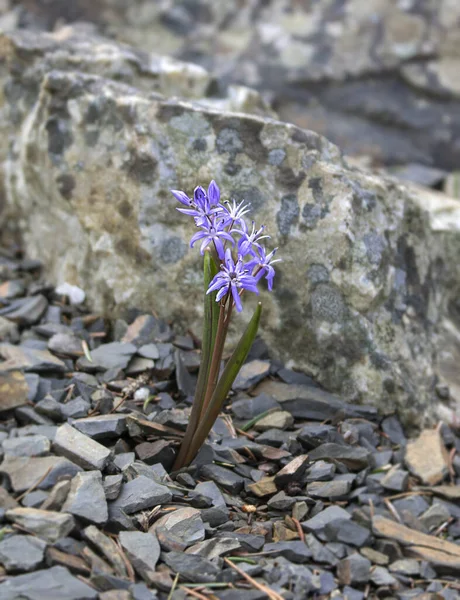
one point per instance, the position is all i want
(228, 272)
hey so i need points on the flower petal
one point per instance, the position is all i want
(181, 197)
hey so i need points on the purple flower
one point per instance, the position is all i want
(233, 213)
(247, 240)
(213, 233)
(213, 193)
(263, 263)
(234, 277)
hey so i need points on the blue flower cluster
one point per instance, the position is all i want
(246, 261)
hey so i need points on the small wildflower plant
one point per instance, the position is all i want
(234, 262)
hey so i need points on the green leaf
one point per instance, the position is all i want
(232, 368)
(209, 336)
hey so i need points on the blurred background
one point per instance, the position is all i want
(380, 78)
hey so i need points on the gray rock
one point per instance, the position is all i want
(86, 498)
(80, 448)
(218, 513)
(347, 532)
(185, 524)
(320, 552)
(160, 451)
(31, 445)
(21, 553)
(320, 471)
(29, 360)
(123, 460)
(26, 311)
(434, 516)
(281, 501)
(47, 524)
(230, 481)
(75, 409)
(107, 547)
(115, 355)
(49, 407)
(293, 471)
(66, 344)
(315, 434)
(149, 351)
(215, 547)
(102, 427)
(297, 552)
(192, 568)
(396, 479)
(328, 489)
(392, 428)
(405, 566)
(339, 283)
(353, 569)
(354, 457)
(34, 499)
(142, 549)
(55, 583)
(317, 523)
(139, 494)
(57, 496)
(112, 486)
(250, 374)
(381, 576)
(248, 408)
(24, 472)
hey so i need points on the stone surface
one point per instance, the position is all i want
(28, 445)
(55, 583)
(354, 457)
(191, 567)
(102, 427)
(185, 524)
(367, 306)
(142, 549)
(86, 498)
(24, 472)
(280, 419)
(80, 448)
(426, 457)
(138, 494)
(21, 553)
(47, 524)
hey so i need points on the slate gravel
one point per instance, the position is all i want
(321, 498)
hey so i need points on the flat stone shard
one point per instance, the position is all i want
(86, 498)
(143, 550)
(55, 583)
(14, 390)
(47, 524)
(80, 448)
(25, 472)
(426, 457)
(362, 264)
(21, 553)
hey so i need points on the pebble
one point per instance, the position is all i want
(354, 457)
(317, 523)
(115, 355)
(28, 445)
(49, 525)
(19, 553)
(112, 486)
(184, 524)
(191, 567)
(280, 419)
(14, 390)
(329, 489)
(25, 472)
(295, 551)
(250, 374)
(76, 408)
(250, 407)
(405, 566)
(26, 311)
(293, 471)
(102, 427)
(142, 549)
(139, 494)
(229, 480)
(80, 448)
(395, 479)
(215, 547)
(86, 498)
(55, 583)
(347, 532)
(355, 569)
(264, 487)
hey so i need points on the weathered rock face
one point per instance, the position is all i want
(377, 77)
(363, 282)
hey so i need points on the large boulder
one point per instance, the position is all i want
(367, 276)
(378, 77)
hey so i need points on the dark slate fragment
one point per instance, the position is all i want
(392, 428)
(139, 494)
(320, 520)
(353, 569)
(115, 355)
(320, 471)
(293, 471)
(161, 451)
(295, 551)
(227, 479)
(25, 311)
(248, 408)
(354, 457)
(348, 532)
(251, 373)
(86, 498)
(147, 329)
(55, 583)
(102, 427)
(192, 568)
(142, 549)
(329, 489)
(19, 553)
(315, 434)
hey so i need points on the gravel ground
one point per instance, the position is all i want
(296, 494)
